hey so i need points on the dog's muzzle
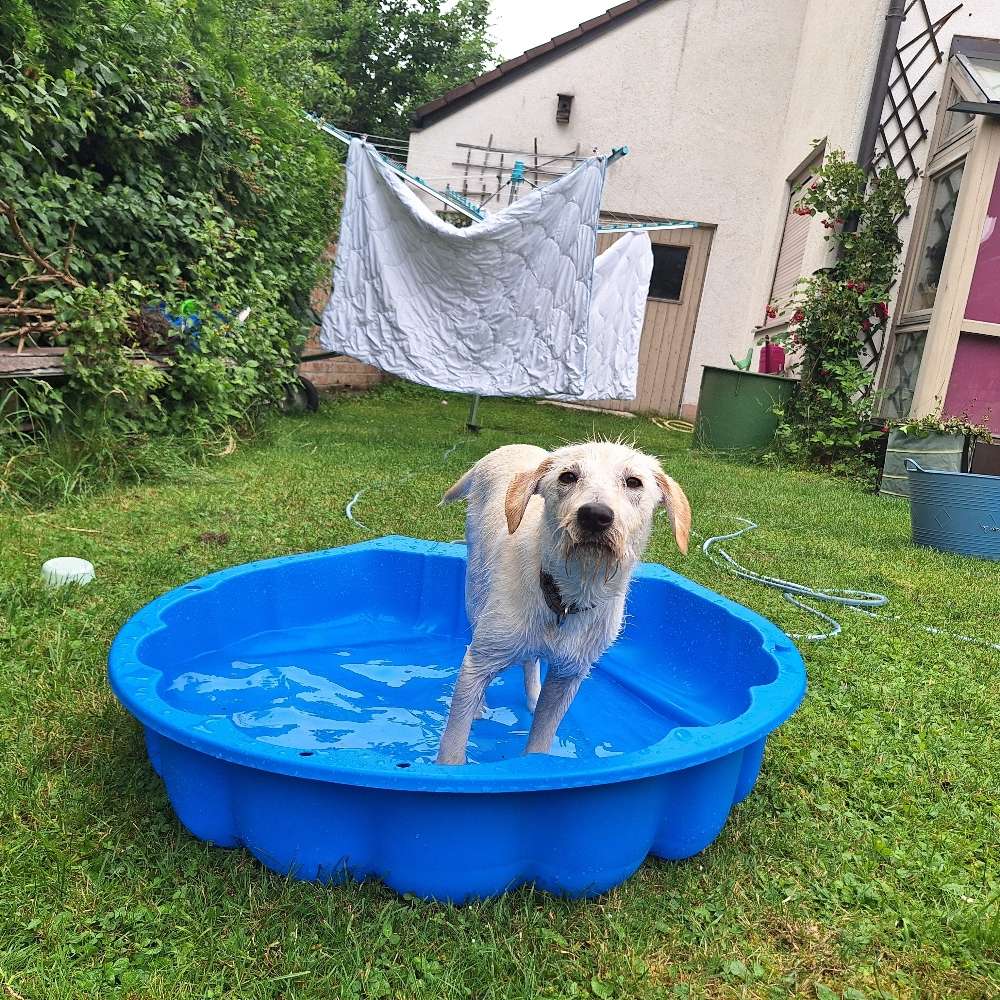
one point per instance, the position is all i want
(595, 518)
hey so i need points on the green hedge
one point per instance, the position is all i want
(152, 159)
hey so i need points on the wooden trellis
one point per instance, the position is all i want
(905, 125)
(903, 129)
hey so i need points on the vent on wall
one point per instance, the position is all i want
(564, 102)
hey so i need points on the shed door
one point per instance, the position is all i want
(671, 311)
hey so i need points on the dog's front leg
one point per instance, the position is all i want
(466, 702)
(558, 692)
(532, 682)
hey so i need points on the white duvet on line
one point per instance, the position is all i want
(512, 306)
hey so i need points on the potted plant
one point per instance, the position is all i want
(954, 511)
(935, 442)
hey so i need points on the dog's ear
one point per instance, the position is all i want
(521, 489)
(458, 491)
(672, 497)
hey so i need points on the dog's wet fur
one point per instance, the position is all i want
(583, 516)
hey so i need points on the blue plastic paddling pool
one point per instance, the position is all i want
(293, 707)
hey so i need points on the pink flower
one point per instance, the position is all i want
(882, 311)
(798, 316)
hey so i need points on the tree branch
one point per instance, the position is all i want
(8, 210)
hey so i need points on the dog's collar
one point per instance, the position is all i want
(554, 599)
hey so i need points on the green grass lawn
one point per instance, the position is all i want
(865, 864)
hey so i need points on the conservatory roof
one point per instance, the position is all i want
(980, 57)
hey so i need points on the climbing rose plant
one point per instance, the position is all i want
(833, 312)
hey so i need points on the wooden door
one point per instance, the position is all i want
(668, 329)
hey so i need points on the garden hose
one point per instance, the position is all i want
(857, 600)
(789, 590)
(683, 426)
(349, 509)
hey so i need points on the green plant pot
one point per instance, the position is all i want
(736, 409)
(933, 452)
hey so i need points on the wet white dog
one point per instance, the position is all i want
(553, 539)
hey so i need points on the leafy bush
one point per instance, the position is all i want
(157, 180)
(140, 166)
(826, 421)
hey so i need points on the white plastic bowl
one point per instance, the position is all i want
(67, 569)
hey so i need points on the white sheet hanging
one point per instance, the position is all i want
(500, 308)
(617, 311)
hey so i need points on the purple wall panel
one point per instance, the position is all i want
(974, 389)
(984, 296)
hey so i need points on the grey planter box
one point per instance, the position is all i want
(934, 452)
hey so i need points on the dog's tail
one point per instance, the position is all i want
(460, 490)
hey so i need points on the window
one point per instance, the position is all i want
(930, 260)
(901, 375)
(667, 278)
(955, 121)
(792, 251)
(564, 104)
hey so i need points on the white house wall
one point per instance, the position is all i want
(697, 90)
(719, 102)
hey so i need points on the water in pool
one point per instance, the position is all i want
(314, 688)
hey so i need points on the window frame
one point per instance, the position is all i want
(918, 234)
(794, 183)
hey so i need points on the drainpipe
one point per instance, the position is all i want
(880, 84)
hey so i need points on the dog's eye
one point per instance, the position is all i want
(633, 483)
(568, 477)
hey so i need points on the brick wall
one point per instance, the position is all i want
(335, 373)
(338, 373)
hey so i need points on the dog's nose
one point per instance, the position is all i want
(595, 517)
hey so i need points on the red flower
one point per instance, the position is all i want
(814, 186)
(772, 312)
(866, 325)
(882, 311)
(798, 316)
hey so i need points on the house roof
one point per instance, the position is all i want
(580, 35)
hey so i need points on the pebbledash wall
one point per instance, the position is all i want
(721, 103)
